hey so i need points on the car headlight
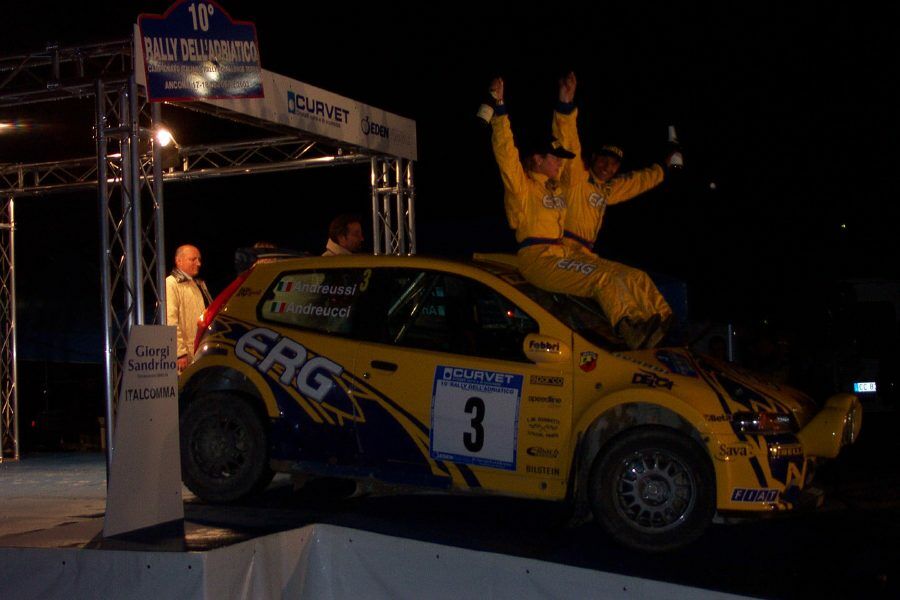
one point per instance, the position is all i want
(763, 422)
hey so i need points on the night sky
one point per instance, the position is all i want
(787, 115)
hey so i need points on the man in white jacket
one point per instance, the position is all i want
(186, 299)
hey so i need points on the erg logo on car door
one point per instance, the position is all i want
(475, 416)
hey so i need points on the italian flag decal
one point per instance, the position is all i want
(278, 307)
(284, 286)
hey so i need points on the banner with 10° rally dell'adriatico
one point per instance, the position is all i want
(195, 51)
(191, 54)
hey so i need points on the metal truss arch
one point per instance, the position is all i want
(129, 171)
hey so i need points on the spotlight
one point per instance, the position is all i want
(164, 137)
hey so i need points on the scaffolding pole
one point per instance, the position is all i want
(9, 388)
(393, 210)
(130, 208)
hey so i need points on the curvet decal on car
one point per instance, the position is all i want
(475, 416)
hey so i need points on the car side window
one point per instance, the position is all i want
(323, 300)
(448, 313)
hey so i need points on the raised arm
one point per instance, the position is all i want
(505, 151)
(634, 183)
(565, 130)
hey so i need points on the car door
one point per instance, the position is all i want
(445, 353)
(304, 348)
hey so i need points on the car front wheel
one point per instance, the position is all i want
(653, 489)
(223, 449)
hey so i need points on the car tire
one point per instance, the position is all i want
(653, 489)
(224, 452)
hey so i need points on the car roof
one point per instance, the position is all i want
(495, 264)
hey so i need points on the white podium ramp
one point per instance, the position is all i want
(314, 562)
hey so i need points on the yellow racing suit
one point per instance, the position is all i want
(536, 209)
(588, 197)
(586, 201)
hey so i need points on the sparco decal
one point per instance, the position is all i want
(547, 380)
(313, 377)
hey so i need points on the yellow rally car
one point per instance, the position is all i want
(464, 377)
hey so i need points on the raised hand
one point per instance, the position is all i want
(496, 89)
(567, 88)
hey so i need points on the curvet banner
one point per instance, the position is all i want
(311, 109)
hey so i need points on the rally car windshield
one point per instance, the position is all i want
(582, 315)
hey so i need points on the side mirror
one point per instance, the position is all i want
(545, 349)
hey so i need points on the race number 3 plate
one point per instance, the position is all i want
(475, 416)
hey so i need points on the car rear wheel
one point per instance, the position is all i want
(224, 454)
(653, 489)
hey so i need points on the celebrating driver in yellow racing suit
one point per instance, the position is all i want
(587, 195)
(536, 209)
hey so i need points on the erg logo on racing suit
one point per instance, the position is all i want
(596, 200)
(553, 202)
(567, 264)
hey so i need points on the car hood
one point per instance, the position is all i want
(738, 389)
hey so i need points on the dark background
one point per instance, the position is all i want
(791, 111)
(787, 116)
